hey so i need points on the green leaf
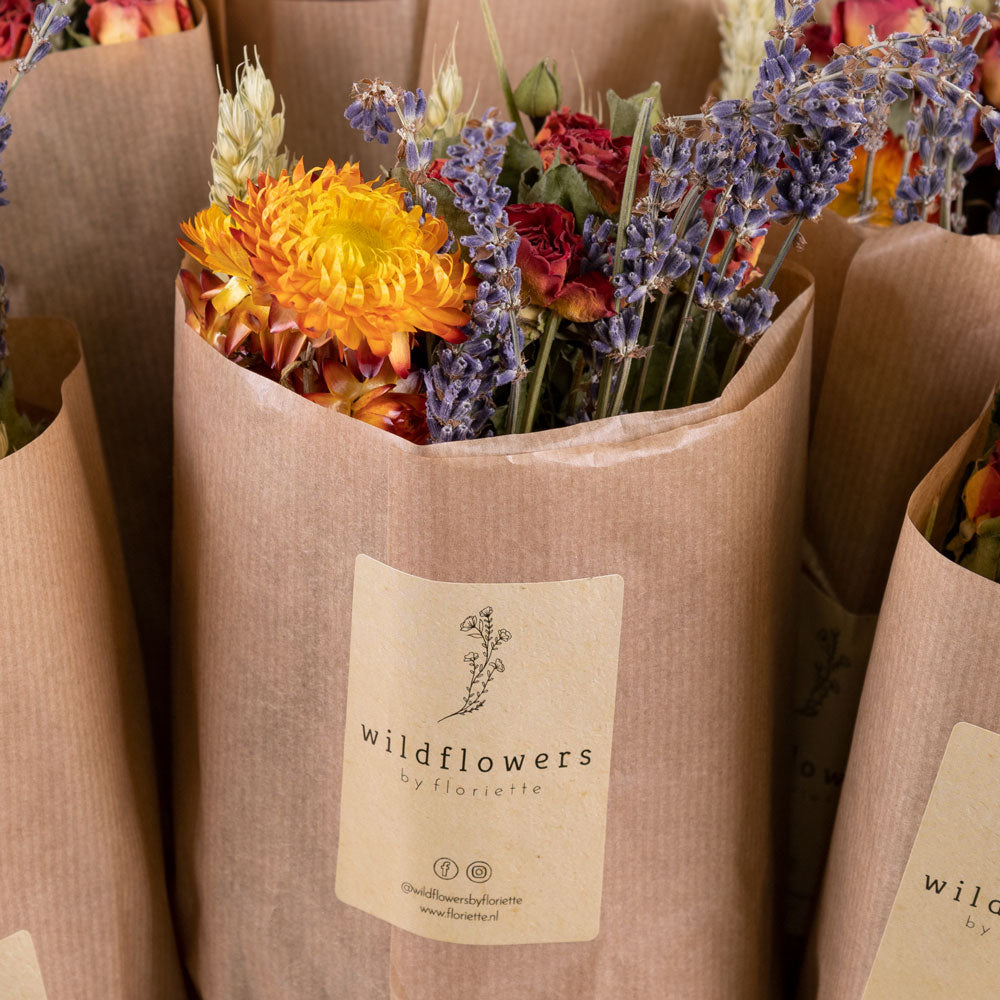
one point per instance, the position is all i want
(564, 185)
(623, 112)
(458, 221)
(521, 163)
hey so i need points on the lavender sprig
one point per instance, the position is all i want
(374, 104)
(462, 382)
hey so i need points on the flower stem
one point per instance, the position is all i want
(706, 330)
(731, 365)
(775, 267)
(689, 301)
(647, 361)
(631, 179)
(624, 215)
(508, 91)
(604, 390)
(537, 377)
(514, 407)
(616, 406)
(949, 173)
(866, 193)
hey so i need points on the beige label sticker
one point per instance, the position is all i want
(477, 754)
(943, 934)
(20, 977)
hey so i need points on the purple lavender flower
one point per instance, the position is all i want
(461, 384)
(373, 105)
(748, 316)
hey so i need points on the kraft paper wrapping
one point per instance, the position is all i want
(830, 245)
(934, 664)
(912, 353)
(112, 151)
(697, 509)
(80, 858)
(315, 49)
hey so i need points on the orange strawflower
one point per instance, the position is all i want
(339, 259)
(379, 401)
(885, 180)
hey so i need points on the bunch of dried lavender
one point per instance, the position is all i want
(810, 120)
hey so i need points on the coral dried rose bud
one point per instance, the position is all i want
(989, 67)
(853, 19)
(112, 21)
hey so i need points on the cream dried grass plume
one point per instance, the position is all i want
(444, 116)
(743, 27)
(249, 136)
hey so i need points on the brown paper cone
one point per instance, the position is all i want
(914, 353)
(80, 862)
(830, 245)
(112, 151)
(698, 509)
(934, 664)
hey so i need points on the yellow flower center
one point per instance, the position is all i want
(350, 260)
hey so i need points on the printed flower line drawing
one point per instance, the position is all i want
(483, 666)
(825, 683)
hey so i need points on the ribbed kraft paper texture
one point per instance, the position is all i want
(112, 152)
(80, 857)
(934, 664)
(699, 510)
(914, 353)
(830, 244)
(315, 50)
(626, 47)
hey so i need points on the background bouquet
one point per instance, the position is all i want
(101, 22)
(82, 864)
(89, 238)
(933, 665)
(905, 352)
